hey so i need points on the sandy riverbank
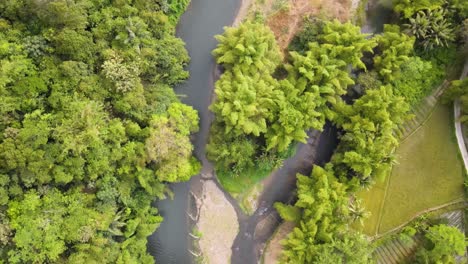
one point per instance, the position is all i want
(274, 248)
(217, 224)
(243, 12)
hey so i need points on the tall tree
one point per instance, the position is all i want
(323, 205)
(445, 243)
(432, 28)
(367, 146)
(246, 103)
(409, 7)
(348, 41)
(251, 47)
(393, 49)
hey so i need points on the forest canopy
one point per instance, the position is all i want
(91, 129)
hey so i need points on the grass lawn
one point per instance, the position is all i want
(428, 173)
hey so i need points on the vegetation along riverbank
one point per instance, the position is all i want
(329, 121)
(91, 129)
(390, 73)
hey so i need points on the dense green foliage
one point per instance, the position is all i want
(257, 111)
(445, 243)
(435, 23)
(410, 7)
(393, 50)
(367, 147)
(84, 145)
(174, 8)
(347, 38)
(395, 64)
(400, 75)
(458, 89)
(247, 100)
(398, 79)
(417, 79)
(432, 28)
(441, 243)
(251, 47)
(321, 235)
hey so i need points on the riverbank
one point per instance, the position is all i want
(217, 224)
(274, 248)
(284, 17)
(243, 12)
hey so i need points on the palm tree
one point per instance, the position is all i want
(366, 183)
(431, 28)
(357, 211)
(117, 225)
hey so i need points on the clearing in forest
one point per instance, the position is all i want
(285, 17)
(428, 174)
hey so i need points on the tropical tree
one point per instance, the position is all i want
(431, 28)
(368, 143)
(348, 41)
(323, 203)
(295, 114)
(349, 247)
(445, 243)
(85, 144)
(409, 7)
(417, 79)
(168, 144)
(357, 212)
(245, 103)
(393, 50)
(320, 73)
(230, 152)
(251, 47)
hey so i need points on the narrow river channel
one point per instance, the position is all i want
(200, 23)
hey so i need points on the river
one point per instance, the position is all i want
(198, 25)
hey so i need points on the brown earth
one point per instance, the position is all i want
(286, 23)
(285, 17)
(274, 248)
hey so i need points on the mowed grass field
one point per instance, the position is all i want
(428, 173)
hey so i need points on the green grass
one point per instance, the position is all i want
(239, 185)
(372, 200)
(242, 183)
(428, 174)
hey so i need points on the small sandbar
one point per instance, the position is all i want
(217, 223)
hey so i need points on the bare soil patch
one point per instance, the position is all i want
(285, 17)
(217, 224)
(274, 248)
